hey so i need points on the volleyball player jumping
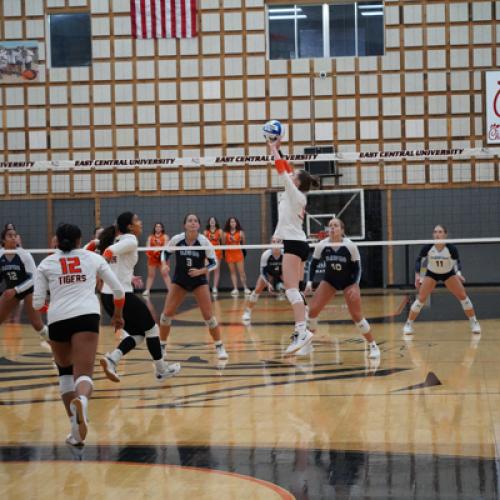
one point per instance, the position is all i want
(443, 264)
(118, 245)
(69, 275)
(190, 275)
(291, 211)
(342, 273)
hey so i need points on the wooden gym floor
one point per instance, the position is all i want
(425, 423)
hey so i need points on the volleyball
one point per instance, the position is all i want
(272, 130)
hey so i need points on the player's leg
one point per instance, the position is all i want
(456, 287)
(352, 295)
(202, 296)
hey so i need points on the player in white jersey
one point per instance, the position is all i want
(118, 244)
(270, 277)
(17, 270)
(73, 316)
(342, 273)
(191, 275)
(291, 210)
(443, 264)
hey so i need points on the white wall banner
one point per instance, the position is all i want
(493, 107)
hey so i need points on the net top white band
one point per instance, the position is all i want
(386, 243)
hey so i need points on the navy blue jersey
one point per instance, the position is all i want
(187, 259)
(342, 262)
(17, 269)
(271, 266)
(437, 261)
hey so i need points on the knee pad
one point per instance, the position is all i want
(294, 296)
(312, 324)
(138, 339)
(165, 320)
(212, 322)
(466, 304)
(363, 327)
(84, 378)
(65, 370)
(66, 384)
(416, 307)
(153, 332)
(254, 297)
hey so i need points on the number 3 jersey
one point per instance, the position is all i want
(70, 278)
(187, 259)
(17, 269)
(438, 261)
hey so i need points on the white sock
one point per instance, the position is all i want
(218, 343)
(472, 319)
(300, 327)
(116, 355)
(159, 364)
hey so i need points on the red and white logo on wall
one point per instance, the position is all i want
(493, 107)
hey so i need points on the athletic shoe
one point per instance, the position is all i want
(371, 365)
(72, 441)
(214, 291)
(307, 350)
(374, 351)
(78, 408)
(475, 327)
(145, 293)
(248, 291)
(235, 292)
(299, 340)
(168, 371)
(221, 364)
(221, 352)
(408, 329)
(246, 316)
(109, 367)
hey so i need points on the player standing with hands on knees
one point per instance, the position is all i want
(291, 210)
(342, 272)
(70, 275)
(443, 264)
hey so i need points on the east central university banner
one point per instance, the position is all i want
(493, 107)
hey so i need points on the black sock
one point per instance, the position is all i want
(154, 347)
(127, 344)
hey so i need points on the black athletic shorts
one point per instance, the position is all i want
(62, 331)
(20, 296)
(190, 284)
(138, 319)
(298, 248)
(338, 284)
(439, 277)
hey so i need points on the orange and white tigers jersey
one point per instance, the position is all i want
(291, 207)
(71, 279)
(123, 261)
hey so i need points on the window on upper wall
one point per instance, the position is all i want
(325, 30)
(70, 39)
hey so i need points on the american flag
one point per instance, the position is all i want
(163, 18)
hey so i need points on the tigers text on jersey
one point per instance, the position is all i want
(342, 261)
(187, 259)
(271, 265)
(125, 257)
(291, 209)
(17, 268)
(439, 261)
(71, 279)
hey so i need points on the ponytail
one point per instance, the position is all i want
(307, 181)
(106, 238)
(68, 237)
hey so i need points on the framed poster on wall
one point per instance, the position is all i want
(18, 61)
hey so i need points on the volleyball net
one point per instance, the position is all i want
(404, 194)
